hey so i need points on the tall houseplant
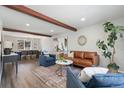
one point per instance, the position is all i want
(108, 46)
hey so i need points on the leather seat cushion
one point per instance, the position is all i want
(90, 54)
(78, 54)
(86, 62)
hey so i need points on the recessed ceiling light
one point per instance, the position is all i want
(52, 30)
(27, 24)
(83, 19)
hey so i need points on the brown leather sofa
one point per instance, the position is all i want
(85, 58)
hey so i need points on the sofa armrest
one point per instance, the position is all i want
(72, 80)
(42, 58)
(96, 60)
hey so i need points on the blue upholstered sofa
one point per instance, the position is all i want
(98, 81)
(47, 60)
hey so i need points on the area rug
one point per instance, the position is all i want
(48, 76)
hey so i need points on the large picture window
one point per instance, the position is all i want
(27, 45)
(20, 44)
(24, 44)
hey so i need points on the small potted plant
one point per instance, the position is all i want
(108, 46)
(61, 58)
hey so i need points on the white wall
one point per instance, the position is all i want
(93, 34)
(0, 29)
(0, 51)
(47, 44)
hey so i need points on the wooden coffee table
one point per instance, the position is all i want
(62, 64)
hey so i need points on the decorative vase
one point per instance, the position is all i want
(7, 51)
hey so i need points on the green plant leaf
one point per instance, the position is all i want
(113, 31)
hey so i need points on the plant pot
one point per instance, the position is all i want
(111, 70)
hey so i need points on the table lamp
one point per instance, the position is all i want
(7, 47)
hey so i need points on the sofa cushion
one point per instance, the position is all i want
(78, 54)
(71, 54)
(106, 80)
(89, 54)
(77, 60)
(87, 62)
(82, 62)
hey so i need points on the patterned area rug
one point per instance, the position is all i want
(48, 76)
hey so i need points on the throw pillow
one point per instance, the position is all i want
(84, 77)
(71, 54)
(90, 71)
(47, 55)
(87, 73)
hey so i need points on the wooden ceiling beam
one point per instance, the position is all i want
(40, 16)
(26, 32)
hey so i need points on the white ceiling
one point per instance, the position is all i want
(70, 15)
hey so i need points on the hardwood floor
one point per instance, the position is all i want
(31, 75)
(24, 78)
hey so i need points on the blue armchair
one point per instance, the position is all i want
(47, 60)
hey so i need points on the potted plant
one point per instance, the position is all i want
(61, 59)
(108, 46)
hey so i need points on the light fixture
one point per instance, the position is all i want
(83, 19)
(27, 24)
(52, 30)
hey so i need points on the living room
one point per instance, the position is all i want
(51, 53)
